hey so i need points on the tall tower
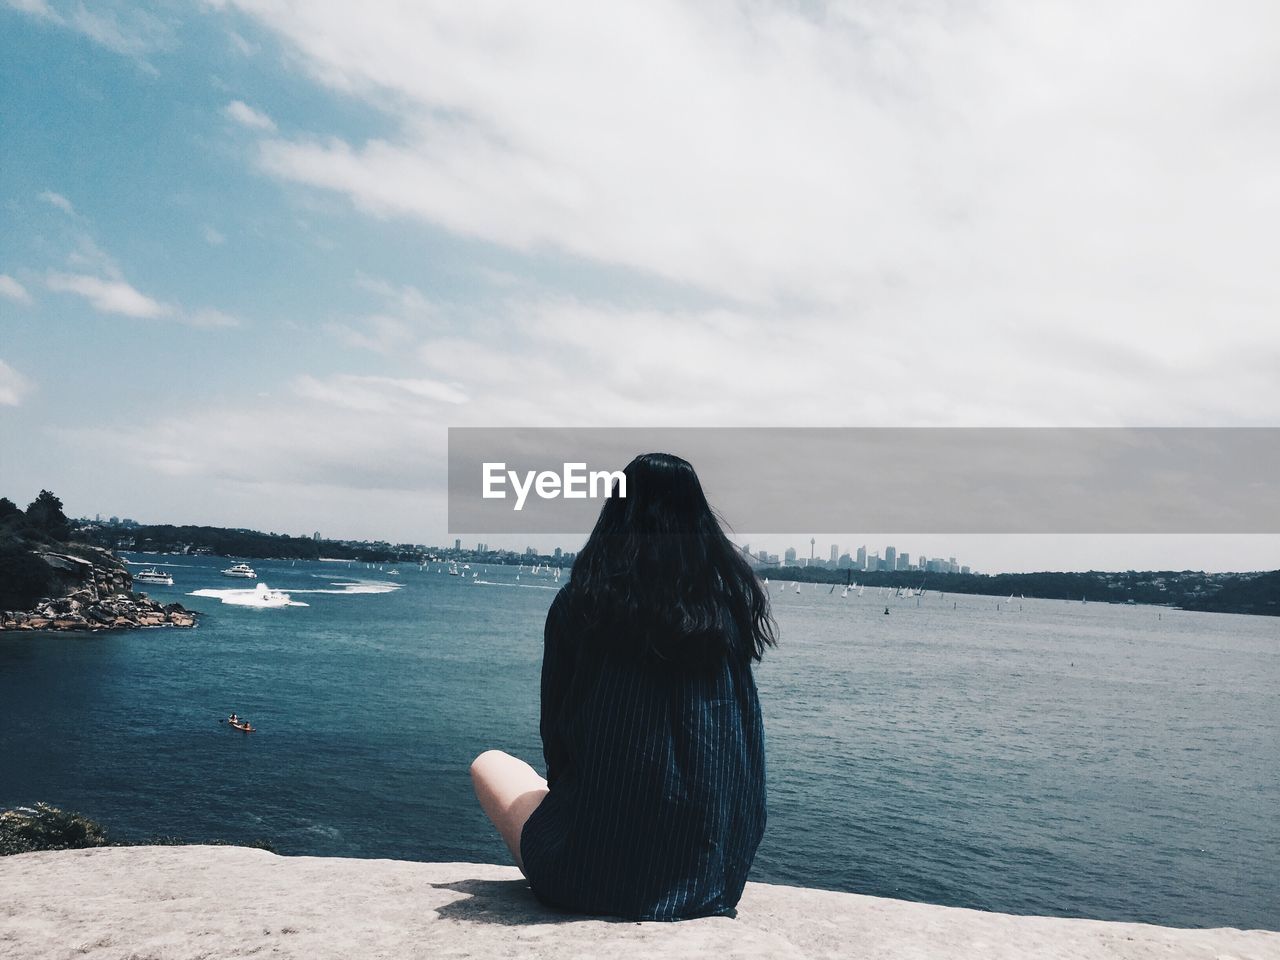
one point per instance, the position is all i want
(813, 542)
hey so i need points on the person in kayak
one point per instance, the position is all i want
(654, 800)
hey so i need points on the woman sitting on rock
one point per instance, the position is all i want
(654, 801)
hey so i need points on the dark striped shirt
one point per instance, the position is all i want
(656, 776)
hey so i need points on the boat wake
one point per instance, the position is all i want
(356, 586)
(261, 596)
(523, 586)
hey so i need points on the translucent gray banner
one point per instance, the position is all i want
(911, 480)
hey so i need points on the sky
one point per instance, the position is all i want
(259, 255)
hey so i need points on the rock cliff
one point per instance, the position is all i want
(91, 590)
(166, 903)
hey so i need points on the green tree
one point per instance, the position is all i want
(7, 508)
(45, 514)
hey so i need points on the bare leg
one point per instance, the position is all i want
(509, 790)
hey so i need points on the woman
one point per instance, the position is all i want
(654, 801)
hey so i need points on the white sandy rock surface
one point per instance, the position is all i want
(213, 902)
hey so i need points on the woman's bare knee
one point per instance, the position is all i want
(486, 761)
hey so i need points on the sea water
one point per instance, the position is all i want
(1033, 756)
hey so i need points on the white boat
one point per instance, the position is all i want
(797, 588)
(153, 576)
(454, 571)
(393, 573)
(264, 596)
(242, 570)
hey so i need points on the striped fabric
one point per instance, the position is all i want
(656, 776)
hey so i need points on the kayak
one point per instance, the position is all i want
(244, 726)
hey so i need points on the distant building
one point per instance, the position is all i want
(457, 544)
(964, 569)
(530, 552)
(904, 561)
(813, 543)
(316, 535)
(789, 556)
(835, 555)
(890, 558)
(557, 553)
(845, 561)
(862, 558)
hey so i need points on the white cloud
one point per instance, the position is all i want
(379, 333)
(958, 183)
(119, 27)
(380, 395)
(108, 296)
(213, 236)
(12, 289)
(57, 200)
(247, 116)
(209, 318)
(13, 386)
(240, 45)
(117, 296)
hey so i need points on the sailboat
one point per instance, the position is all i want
(845, 592)
(797, 587)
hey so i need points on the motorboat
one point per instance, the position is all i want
(264, 596)
(153, 576)
(241, 570)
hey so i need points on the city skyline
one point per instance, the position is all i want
(1076, 553)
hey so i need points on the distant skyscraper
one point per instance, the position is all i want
(557, 553)
(904, 561)
(835, 555)
(862, 558)
(890, 558)
(457, 544)
(789, 556)
(845, 561)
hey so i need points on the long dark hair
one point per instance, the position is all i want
(658, 578)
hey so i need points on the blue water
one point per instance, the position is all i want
(1044, 757)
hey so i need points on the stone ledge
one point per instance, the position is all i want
(166, 903)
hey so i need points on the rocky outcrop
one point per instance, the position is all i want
(165, 903)
(99, 596)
